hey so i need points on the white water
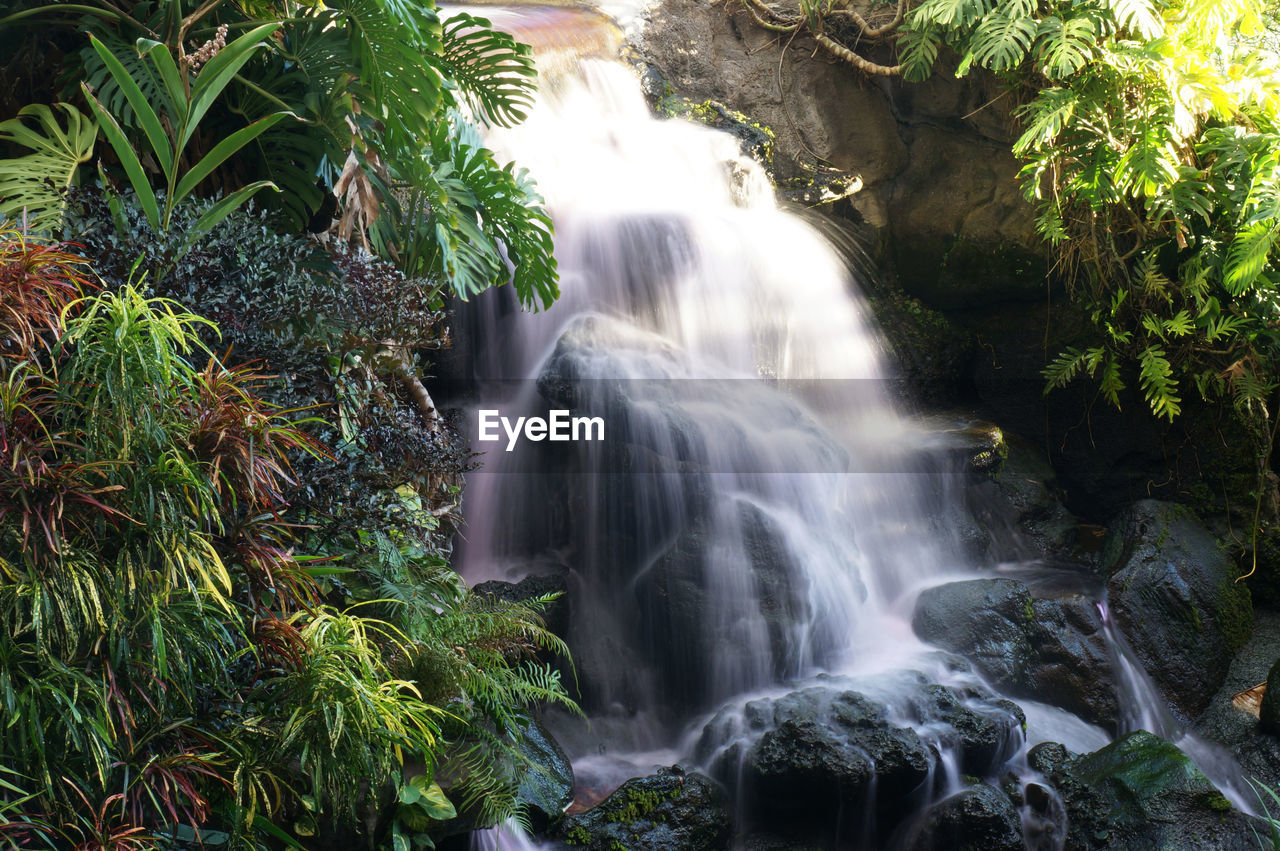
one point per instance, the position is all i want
(685, 285)
(724, 336)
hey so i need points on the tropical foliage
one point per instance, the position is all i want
(225, 493)
(1148, 132)
(310, 100)
(196, 635)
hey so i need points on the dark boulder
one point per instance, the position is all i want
(1142, 792)
(1269, 718)
(986, 621)
(1072, 659)
(1053, 650)
(1024, 489)
(546, 786)
(1173, 593)
(980, 818)
(669, 810)
(1234, 722)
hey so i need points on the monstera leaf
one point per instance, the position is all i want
(31, 185)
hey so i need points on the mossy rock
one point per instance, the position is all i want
(755, 139)
(1174, 594)
(931, 354)
(670, 810)
(1142, 792)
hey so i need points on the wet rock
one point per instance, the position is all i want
(821, 751)
(1053, 650)
(812, 754)
(1072, 660)
(1143, 792)
(1018, 504)
(1269, 718)
(1048, 757)
(670, 810)
(980, 818)
(848, 766)
(1235, 727)
(986, 730)
(547, 786)
(929, 352)
(687, 623)
(1173, 593)
(986, 621)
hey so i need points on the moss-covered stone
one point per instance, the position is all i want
(1143, 792)
(1174, 594)
(670, 810)
(756, 139)
(931, 353)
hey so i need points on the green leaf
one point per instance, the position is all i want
(1064, 47)
(170, 76)
(918, 51)
(218, 73)
(128, 159)
(161, 145)
(219, 211)
(1158, 384)
(1139, 16)
(31, 185)
(1002, 40)
(496, 73)
(1249, 254)
(221, 151)
(434, 802)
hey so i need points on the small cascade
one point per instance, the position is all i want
(1145, 709)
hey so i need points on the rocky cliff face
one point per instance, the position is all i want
(938, 180)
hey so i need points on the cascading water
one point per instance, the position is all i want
(757, 514)
(732, 330)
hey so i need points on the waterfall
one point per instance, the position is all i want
(753, 459)
(758, 512)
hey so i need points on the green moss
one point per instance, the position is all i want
(1218, 803)
(1234, 614)
(578, 835)
(757, 139)
(639, 803)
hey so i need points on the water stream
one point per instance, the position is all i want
(759, 513)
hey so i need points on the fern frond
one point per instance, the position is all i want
(1064, 368)
(1110, 384)
(1249, 254)
(1158, 383)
